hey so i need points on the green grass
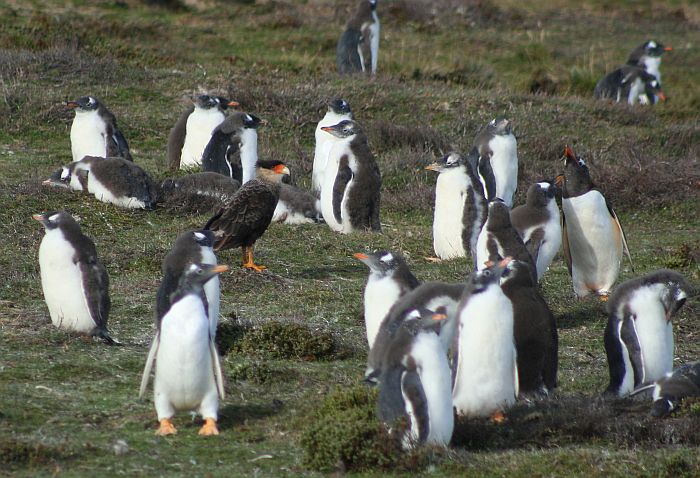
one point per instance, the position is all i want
(65, 401)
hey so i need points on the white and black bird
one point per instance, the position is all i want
(592, 237)
(358, 47)
(416, 381)
(639, 336)
(496, 142)
(351, 192)
(338, 110)
(669, 391)
(188, 373)
(193, 130)
(233, 147)
(94, 131)
(486, 372)
(538, 223)
(73, 278)
(648, 56)
(198, 192)
(629, 84)
(297, 206)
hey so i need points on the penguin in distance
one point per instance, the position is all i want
(631, 85)
(74, 280)
(188, 372)
(592, 237)
(486, 371)
(639, 335)
(192, 132)
(233, 147)
(538, 223)
(648, 56)
(496, 142)
(338, 110)
(351, 192)
(389, 279)
(94, 131)
(358, 47)
(416, 381)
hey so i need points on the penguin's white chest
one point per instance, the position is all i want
(654, 333)
(504, 163)
(637, 93)
(450, 195)
(88, 135)
(104, 194)
(652, 65)
(374, 42)
(199, 127)
(324, 143)
(486, 376)
(595, 243)
(380, 294)
(62, 283)
(338, 150)
(249, 153)
(551, 240)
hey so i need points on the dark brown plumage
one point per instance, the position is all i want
(176, 140)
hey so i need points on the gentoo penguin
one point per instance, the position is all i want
(338, 110)
(188, 373)
(233, 147)
(389, 279)
(198, 192)
(534, 328)
(112, 180)
(460, 206)
(350, 194)
(538, 223)
(358, 46)
(74, 280)
(193, 130)
(498, 239)
(416, 382)
(668, 391)
(190, 247)
(639, 335)
(648, 56)
(592, 236)
(497, 143)
(629, 84)
(486, 372)
(94, 131)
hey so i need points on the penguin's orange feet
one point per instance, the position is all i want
(434, 260)
(209, 427)
(166, 428)
(498, 417)
(603, 297)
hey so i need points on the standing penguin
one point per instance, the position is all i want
(233, 147)
(648, 56)
(74, 280)
(416, 381)
(190, 247)
(538, 223)
(389, 279)
(497, 143)
(188, 373)
(338, 110)
(486, 373)
(592, 236)
(358, 46)
(629, 84)
(193, 130)
(639, 335)
(351, 194)
(94, 131)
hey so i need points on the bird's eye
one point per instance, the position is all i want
(486, 273)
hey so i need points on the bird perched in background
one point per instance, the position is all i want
(630, 84)
(497, 143)
(538, 223)
(338, 110)
(233, 147)
(648, 56)
(351, 194)
(74, 280)
(639, 335)
(592, 236)
(192, 132)
(188, 373)
(358, 46)
(94, 131)
(112, 180)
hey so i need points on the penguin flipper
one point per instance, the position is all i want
(176, 140)
(122, 145)
(339, 186)
(534, 243)
(620, 232)
(416, 403)
(516, 377)
(149, 364)
(565, 243)
(629, 336)
(95, 288)
(216, 363)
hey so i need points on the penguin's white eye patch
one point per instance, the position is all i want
(654, 84)
(414, 314)
(451, 159)
(581, 162)
(248, 118)
(386, 258)
(193, 267)
(53, 218)
(493, 122)
(91, 101)
(199, 236)
(652, 44)
(65, 173)
(544, 185)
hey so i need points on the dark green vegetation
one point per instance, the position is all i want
(295, 333)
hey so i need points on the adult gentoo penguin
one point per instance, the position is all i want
(190, 247)
(639, 335)
(648, 56)
(416, 381)
(358, 46)
(94, 131)
(112, 180)
(497, 142)
(538, 223)
(534, 328)
(233, 147)
(629, 84)
(74, 280)
(486, 374)
(193, 130)
(389, 279)
(338, 110)
(592, 236)
(188, 373)
(350, 195)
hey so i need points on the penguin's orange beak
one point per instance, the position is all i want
(433, 167)
(71, 104)
(438, 316)
(360, 256)
(504, 262)
(327, 129)
(37, 217)
(668, 48)
(233, 103)
(220, 268)
(661, 95)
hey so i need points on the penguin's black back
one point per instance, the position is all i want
(124, 178)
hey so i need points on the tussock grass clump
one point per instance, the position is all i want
(386, 135)
(18, 453)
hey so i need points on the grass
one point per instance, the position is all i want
(295, 333)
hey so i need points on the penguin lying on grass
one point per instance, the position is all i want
(94, 131)
(669, 391)
(197, 192)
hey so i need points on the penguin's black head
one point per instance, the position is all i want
(540, 194)
(344, 129)
(447, 162)
(208, 102)
(204, 237)
(653, 48)
(383, 263)
(373, 4)
(675, 294)
(85, 103)
(498, 214)
(576, 177)
(481, 280)
(500, 126)
(517, 272)
(339, 107)
(52, 220)
(251, 121)
(60, 178)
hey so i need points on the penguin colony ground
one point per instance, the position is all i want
(474, 347)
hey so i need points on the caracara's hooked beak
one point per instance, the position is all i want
(281, 169)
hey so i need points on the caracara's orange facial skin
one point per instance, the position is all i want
(360, 256)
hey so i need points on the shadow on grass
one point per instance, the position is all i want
(231, 416)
